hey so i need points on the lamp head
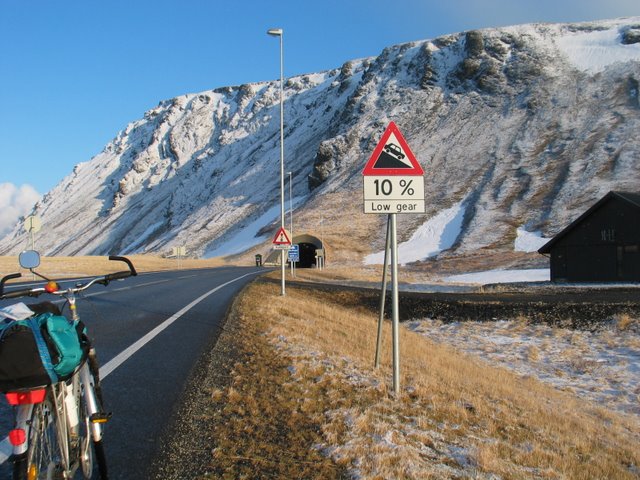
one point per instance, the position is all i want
(276, 32)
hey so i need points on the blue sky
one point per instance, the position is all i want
(75, 72)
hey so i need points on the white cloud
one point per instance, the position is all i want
(14, 203)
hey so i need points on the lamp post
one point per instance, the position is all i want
(277, 32)
(293, 267)
(291, 203)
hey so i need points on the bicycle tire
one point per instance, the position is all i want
(42, 458)
(101, 460)
(83, 452)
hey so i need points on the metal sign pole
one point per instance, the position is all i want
(383, 293)
(393, 181)
(394, 305)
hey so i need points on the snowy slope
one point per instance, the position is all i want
(516, 128)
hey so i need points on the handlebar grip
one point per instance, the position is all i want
(5, 280)
(117, 276)
(20, 293)
(132, 269)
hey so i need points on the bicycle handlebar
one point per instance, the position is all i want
(103, 280)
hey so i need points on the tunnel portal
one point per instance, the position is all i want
(308, 244)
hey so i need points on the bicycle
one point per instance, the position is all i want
(58, 423)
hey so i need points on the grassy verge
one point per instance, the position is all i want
(302, 400)
(264, 423)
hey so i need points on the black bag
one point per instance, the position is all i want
(31, 356)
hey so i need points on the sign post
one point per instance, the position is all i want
(294, 256)
(393, 182)
(32, 224)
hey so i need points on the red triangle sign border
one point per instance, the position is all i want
(370, 169)
(285, 234)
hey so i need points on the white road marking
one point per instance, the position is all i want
(6, 449)
(123, 356)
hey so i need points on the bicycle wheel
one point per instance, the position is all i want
(42, 460)
(85, 453)
(81, 434)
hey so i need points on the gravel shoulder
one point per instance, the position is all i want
(184, 451)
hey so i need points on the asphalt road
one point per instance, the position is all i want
(149, 332)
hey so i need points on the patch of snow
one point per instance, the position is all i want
(432, 237)
(246, 237)
(601, 366)
(592, 52)
(529, 241)
(501, 276)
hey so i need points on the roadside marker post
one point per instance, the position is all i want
(393, 182)
(32, 224)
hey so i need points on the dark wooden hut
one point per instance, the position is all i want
(602, 245)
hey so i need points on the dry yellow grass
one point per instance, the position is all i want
(510, 426)
(624, 321)
(57, 267)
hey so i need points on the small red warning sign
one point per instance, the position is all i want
(282, 237)
(392, 156)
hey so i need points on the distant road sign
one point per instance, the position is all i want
(32, 224)
(294, 253)
(393, 180)
(282, 239)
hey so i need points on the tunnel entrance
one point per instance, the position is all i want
(308, 244)
(307, 255)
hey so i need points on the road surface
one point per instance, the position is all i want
(149, 332)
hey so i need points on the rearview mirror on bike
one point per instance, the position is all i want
(29, 259)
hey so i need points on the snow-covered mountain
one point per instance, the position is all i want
(519, 128)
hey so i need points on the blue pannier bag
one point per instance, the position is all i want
(40, 350)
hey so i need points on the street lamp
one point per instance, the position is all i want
(277, 32)
(291, 203)
(293, 267)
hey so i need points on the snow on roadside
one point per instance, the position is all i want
(376, 437)
(435, 235)
(501, 276)
(601, 366)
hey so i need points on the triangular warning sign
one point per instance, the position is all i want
(392, 156)
(282, 237)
